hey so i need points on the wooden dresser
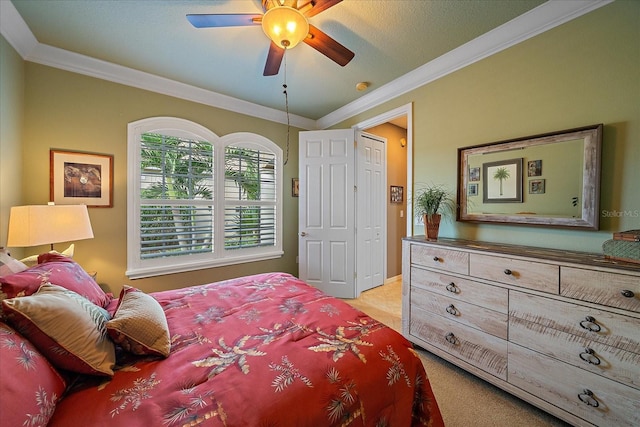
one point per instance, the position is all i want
(558, 329)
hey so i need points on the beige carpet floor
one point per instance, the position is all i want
(464, 399)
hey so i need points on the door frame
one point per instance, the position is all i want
(404, 110)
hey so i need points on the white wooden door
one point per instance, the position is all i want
(326, 213)
(371, 216)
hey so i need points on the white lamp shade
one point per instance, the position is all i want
(48, 224)
(285, 25)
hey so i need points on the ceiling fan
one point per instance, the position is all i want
(286, 24)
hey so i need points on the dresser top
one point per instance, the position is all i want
(557, 255)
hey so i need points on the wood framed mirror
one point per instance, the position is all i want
(550, 180)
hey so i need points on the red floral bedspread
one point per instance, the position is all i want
(264, 350)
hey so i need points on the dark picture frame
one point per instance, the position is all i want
(473, 189)
(396, 194)
(295, 187)
(502, 181)
(536, 186)
(78, 178)
(534, 168)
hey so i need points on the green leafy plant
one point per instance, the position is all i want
(433, 199)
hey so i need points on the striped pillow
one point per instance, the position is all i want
(66, 328)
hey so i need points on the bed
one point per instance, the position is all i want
(262, 350)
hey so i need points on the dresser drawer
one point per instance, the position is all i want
(601, 326)
(491, 297)
(563, 385)
(489, 321)
(443, 259)
(482, 350)
(527, 274)
(612, 289)
(610, 362)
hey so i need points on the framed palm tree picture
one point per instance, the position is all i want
(502, 181)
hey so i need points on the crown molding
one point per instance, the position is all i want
(538, 20)
(17, 33)
(15, 30)
(82, 64)
(543, 18)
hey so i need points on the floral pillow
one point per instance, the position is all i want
(65, 327)
(9, 265)
(56, 269)
(139, 324)
(30, 387)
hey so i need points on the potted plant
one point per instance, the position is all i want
(429, 204)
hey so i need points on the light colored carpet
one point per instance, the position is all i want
(464, 399)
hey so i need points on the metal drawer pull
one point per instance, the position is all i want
(508, 272)
(589, 357)
(627, 293)
(451, 287)
(451, 339)
(589, 323)
(452, 310)
(436, 259)
(587, 397)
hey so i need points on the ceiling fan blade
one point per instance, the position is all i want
(317, 6)
(224, 19)
(327, 46)
(274, 59)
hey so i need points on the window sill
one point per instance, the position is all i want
(142, 272)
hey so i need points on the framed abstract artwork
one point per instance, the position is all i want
(77, 178)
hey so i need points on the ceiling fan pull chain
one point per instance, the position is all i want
(286, 105)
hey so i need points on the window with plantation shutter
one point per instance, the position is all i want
(196, 200)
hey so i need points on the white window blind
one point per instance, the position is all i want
(250, 198)
(197, 200)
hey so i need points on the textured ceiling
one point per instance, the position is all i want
(389, 37)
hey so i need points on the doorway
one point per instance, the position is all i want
(326, 216)
(396, 127)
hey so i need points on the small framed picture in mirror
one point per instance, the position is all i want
(536, 186)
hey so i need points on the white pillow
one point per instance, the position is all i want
(9, 265)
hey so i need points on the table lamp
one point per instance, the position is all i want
(37, 225)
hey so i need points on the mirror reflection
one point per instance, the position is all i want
(550, 179)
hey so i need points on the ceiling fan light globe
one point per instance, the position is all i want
(285, 26)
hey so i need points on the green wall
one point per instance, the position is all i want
(581, 73)
(11, 123)
(73, 112)
(561, 172)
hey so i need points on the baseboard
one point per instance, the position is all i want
(393, 279)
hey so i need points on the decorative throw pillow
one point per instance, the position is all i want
(9, 265)
(65, 327)
(30, 387)
(139, 324)
(33, 259)
(56, 269)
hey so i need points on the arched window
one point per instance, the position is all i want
(196, 200)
